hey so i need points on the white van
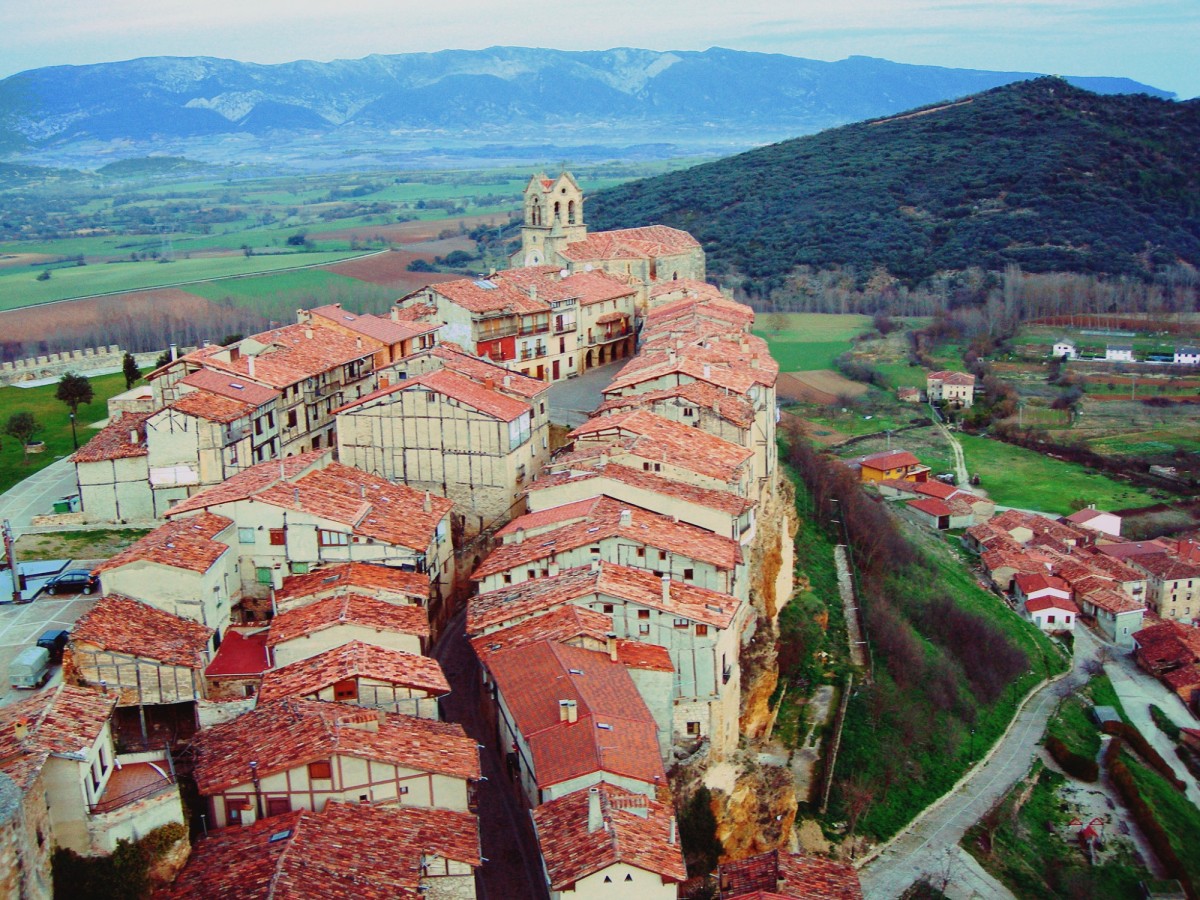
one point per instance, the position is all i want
(30, 669)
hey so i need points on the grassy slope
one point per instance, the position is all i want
(801, 342)
(55, 421)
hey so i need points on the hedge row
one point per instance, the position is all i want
(1190, 760)
(1144, 816)
(1142, 748)
(1079, 767)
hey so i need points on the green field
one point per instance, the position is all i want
(54, 418)
(802, 342)
(20, 287)
(901, 374)
(247, 290)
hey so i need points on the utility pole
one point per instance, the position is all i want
(10, 553)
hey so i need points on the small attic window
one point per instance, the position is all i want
(604, 726)
(237, 386)
(279, 836)
(575, 671)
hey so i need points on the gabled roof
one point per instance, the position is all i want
(181, 544)
(286, 733)
(931, 506)
(509, 382)
(647, 242)
(563, 625)
(722, 370)
(348, 609)
(365, 578)
(894, 459)
(489, 295)
(543, 519)
(1083, 516)
(608, 520)
(948, 377)
(62, 721)
(226, 385)
(595, 287)
(1115, 602)
(121, 625)
(122, 438)
(653, 437)
(483, 397)
(700, 393)
(1039, 581)
(250, 481)
(212, 407)
(1166, 566)
(788, 875)
(1038, 604)
(378, 328)
(724, 501)
(634, 830)
(242, 653)
(354, 659)
(512, 604)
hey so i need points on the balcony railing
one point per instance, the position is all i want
(608, 337)
(536, 353)
(535, 329)
(565, 328)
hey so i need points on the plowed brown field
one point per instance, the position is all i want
(391, 270)
(411, 232)
(819, 386)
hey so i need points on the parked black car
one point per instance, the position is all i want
(72, 581)
(54, 642)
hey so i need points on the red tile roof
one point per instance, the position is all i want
(366, 578)
(354, 660)
(226, 385)
(643, 656)
(895, 459)
(595, 287)
(1040, 603)
(122, 625)
(1115, 602)
(948, 377)
(556, 515)
(515, 603)
(1169, 643)
(250, 481)
(716, 369)
(212, 407)
(661, 440)
(241, 653)
(113, 441)
(489, 295)
(724, 501)
(487, 400)
(63, 721)
(348, 609)
(788, 875)
(728, 406)
(378, 328)
(182, 544)
(1165, 566)
(563, 625)
(289, 355)
(349, 851)
(286, 733)
(605, 521)
(931, 506)
(614, 733)
(1031, 583)
(455, 359)
(635, 830)
(647, 242)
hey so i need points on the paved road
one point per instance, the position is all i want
(922, 851)
(573, 400)
(35, 495)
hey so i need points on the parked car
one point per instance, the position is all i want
(30, 669)
(72, 581)
(54, 642)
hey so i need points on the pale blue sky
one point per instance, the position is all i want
(1152, 42)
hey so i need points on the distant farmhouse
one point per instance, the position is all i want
(954, 388)
(1065, 349)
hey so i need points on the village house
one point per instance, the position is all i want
(966, 509)
(1187, 356)
(702, 631)
(236, 669)
(604, 838)
(940, 515)
(908, 394)
(294, 514)
(1119, 353)
(954, 388)
(1170, 652)
(467, 430)
(570, 718)
(112, 471)
(1097, 520)
(1117, 615)
(1051, 614)
(295, 754)
(185, 568)
(889, 465)
(394, 339)
(365, 675)
(779, 875)
(1172, 586)
(301, 632)
(346, 850)
(1064, 349)
(80, 794)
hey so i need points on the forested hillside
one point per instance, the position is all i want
(1038, 174)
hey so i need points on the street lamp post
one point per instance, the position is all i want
(74, 439)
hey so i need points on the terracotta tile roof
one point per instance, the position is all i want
(1040, 603)
(1031, 583)
(489, 295)
(605, 521)
(288, 355)
(596, 287)
(931, 506)
(250, 481)
(724, 501)
(226, 385)
(536, 522)
(488, 400)
(647, 242)
(610, 317)
(564, 626)
(182, 544)
(647, 657)
(348, 609)
(212, 407)
(346, 852)
(286, 733)
(341, 577)
(122, 625)
(242, 653)
(661, 440)
(948, 377)
(62, 721)
(894, 459)
(788, 875)
(930, 488)
(368, 505)
(728, 375)
(515, 603)
(1081, 516)
(506, 381)
(1112, 568)
(378, 328)
(1115, 602)
(1165, 566)
(354, 660)
(729, 407)
(113, 440)
(1169, 644)
(417, 313)
(614, 733)
(1122, 549)
(636, 831)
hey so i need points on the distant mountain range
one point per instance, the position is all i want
(1038, 174)
(219, 110)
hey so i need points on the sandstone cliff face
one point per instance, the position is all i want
(758, 812)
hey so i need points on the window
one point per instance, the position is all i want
(681, 623)
(278, 806)
(327, 538)
(689, 574)
(278, 537)
(542, 409)
(299, 568)
(320, 770)
(262, 574)
(643, 613)
(245, 535)
(688, 412)
(508, 577)
(701, 631)
(641, 552)
(1050, 620)
(291, 419)
(250, 690)
(316, 445)
(608, 607)
(644, 628)
(693, 728)
(430, 397)
(347, 689)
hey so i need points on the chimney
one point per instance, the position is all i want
(21, 728)
(250, 366)
(666, 588)
(384, 381)
(552, 570)
(562, 710)
(296, 495)
(395, 314)
(308, 333)
(508, 381)
(595, 820)
(572, 712)
(133, 436)
(489, 383)
(174, 352)
(235, 353)
(626, 518)
(707, 371)
(602, 460)
(519, 535)
(754, 362)
(595, 565)
(427, 505)
(671, 840)
(533, 292)
(358, 343)
(610, 641)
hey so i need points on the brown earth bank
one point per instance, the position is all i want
(818, 386)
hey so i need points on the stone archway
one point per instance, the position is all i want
(588, 362)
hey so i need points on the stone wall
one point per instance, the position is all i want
(89, 359)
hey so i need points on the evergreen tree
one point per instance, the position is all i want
(129, 368)
(75, 391)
